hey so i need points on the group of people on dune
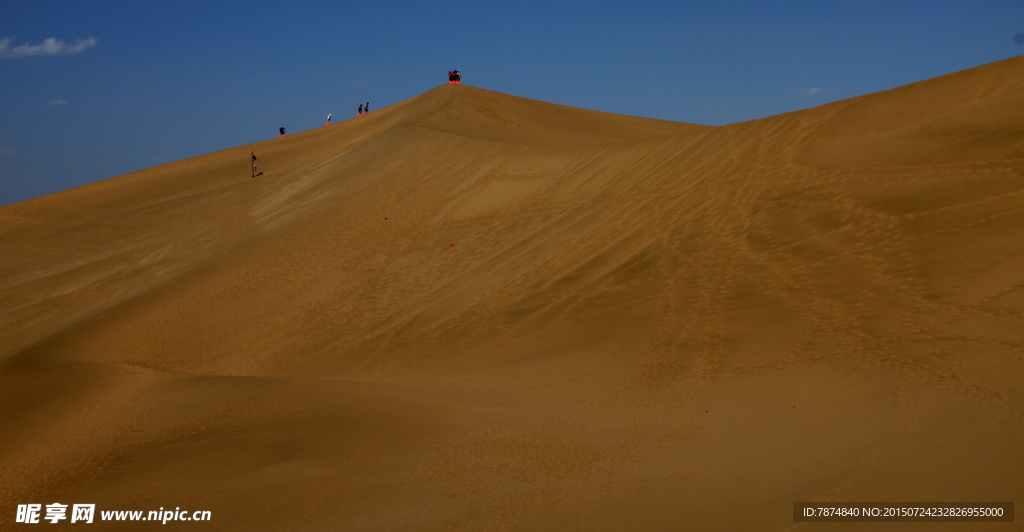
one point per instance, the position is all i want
(364, 109)
(454, 78)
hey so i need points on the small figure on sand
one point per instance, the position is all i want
(360, 113)
(282, 131)
(328, 119)
(255, 165)
(366, 108)
(454, 77)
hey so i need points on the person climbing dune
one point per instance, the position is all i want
(255, 164)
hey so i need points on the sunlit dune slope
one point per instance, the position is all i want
(476, 311)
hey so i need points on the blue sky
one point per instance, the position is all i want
(93, 89)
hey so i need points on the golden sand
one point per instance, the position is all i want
(473, 311)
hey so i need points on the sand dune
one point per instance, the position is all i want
(473, 311)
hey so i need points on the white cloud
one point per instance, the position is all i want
(814, 91)
(50, 46)
(57, 102)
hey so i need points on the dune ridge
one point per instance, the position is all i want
(474, 311)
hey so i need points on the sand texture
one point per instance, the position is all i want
(473, 311)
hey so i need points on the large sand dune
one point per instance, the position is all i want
(472, 311)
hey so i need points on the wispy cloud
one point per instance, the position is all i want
(56, 103)
(50, 46)
(814, 91)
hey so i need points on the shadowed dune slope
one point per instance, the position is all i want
(476, 311)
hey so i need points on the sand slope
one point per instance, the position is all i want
(472, 311)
